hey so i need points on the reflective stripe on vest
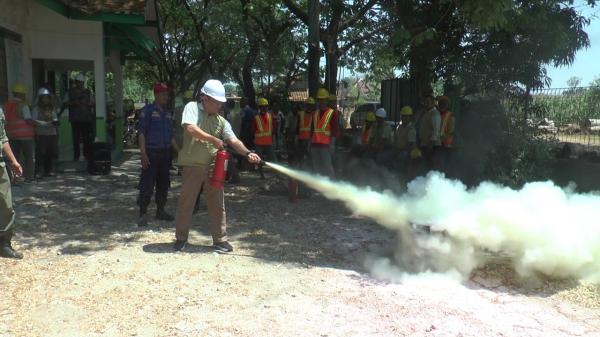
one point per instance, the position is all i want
(304, 126)
(264, 134)
(16, 127)
(322, 128)
(446, 137)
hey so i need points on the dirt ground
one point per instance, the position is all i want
(297, 270)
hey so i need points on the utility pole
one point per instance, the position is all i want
(314, 50)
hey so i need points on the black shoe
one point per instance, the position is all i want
(179, 245)
(7, 251)
(162, 215)
(142, 220)
(223, 247)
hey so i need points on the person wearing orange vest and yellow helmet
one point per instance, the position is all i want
(324, 127)
(20, 129)
(264, 125)
(366, 131)
(305, 120)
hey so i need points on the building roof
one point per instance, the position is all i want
(136, 7)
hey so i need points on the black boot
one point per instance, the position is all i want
(6, 249)
(162, 215)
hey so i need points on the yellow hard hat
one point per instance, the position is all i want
(406, 111)
(322, 93)
(371, 116)
(19, 89)
(188, 94)
(416, 153)
(310, 100)
(263, 102)
(332, 97)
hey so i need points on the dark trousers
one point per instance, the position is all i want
(23, 151)
(83, 132)
(45, 151)
(156, 174)
(266, 153)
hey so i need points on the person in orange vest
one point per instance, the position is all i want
(324, 126)
(443, 153)
(20, 129)
(264, 125)
(367, 128)
(305, 120)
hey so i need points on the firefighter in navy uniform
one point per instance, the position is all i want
(156, 141)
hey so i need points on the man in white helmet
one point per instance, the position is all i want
(381, 134)
(205, 133)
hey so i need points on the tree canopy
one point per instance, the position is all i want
(468, 45)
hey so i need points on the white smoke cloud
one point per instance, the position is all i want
(542, 227)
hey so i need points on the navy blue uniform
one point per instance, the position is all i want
(157, 127)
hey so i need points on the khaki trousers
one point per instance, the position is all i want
(193, 178)
(7, 213)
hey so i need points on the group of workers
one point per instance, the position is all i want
(32, 130)
(198, 130)
(309, 133)
(420, 142)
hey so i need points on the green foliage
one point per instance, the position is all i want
(521, 154)
(480, 45)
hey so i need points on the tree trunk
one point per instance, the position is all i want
(420, 69)
(248, 85)
(313, 47)
(331, 64)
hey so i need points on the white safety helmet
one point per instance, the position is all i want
(380, 113)
(80, 77)
(43, 91)
(214, 89)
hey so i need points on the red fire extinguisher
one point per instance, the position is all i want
(220, 170)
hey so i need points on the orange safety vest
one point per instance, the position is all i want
(16, 127)
(263, 135)
(366, 134)
(304, 126)
(322, 127)
(446, 136)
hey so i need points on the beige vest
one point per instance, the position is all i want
(401, 137)
(196, 152)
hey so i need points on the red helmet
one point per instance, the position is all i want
(160, 87)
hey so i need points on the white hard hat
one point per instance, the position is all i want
(380, 113)
(43, 91)
(80, 77)
(214, 89)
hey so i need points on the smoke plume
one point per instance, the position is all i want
(444, 227)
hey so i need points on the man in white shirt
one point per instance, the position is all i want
(205, 133)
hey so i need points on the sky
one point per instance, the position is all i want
(587, 61)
